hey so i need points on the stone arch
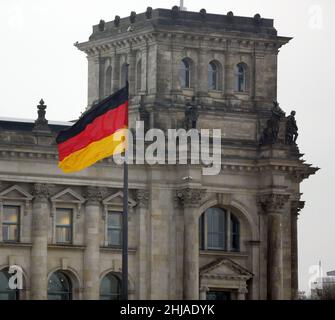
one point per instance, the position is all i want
(237, 208)
(74, 278)
(24, 293)
(131, 282)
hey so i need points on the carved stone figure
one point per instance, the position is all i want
(148, 13)
(132, 17)
(102, 25)
(270, 133)
(41, 123)
(117, 21)
(191, 115)
(291, 134)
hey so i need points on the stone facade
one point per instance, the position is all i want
(259, 185)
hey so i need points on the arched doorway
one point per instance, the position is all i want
(59, 286)
(6, 293)
(110, 287)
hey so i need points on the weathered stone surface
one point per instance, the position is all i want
(256, 184)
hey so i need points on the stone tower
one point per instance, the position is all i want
(227, 66)
(191, 236)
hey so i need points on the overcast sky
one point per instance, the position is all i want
(38, 59)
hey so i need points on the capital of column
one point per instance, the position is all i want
(41, 192)
(93, 195)
(142, 198)
(190, 197)
(272, 203)
(296, 207)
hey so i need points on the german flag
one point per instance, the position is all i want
(98, 134)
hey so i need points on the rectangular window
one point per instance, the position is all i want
(11, 223)
(64, 226)
(114, 228)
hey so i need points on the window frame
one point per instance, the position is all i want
(185, 73)
(108, 228)
(56, 226)
(119, 282)
(20, 207)
(228, 217)
(211, 73)
(16, 292)
(70, 284)
(238, 77)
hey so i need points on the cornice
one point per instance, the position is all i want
(298, 171)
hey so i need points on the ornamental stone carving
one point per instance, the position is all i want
(142, 198)
(272, 203)
(148, 13)
(93, 195)
(296, 207)
(190, 197)
(41, 191)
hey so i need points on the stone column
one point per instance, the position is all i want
(190, 199)
(177, 56)
(115, 61)
(131, 59)
(202, 73)
(92, 242)
(144, 68)
(39, 250)
(272, 205)
(229, 75)
(296, 206)
(258, 77)
(142, 197)
(93, 79)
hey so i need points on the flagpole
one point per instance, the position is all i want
(124, 292)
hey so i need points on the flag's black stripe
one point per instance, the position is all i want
(109, 103)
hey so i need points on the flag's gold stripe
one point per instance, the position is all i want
(106, 147)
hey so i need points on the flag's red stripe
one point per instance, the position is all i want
(100, 128)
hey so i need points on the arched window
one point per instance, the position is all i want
(234, 233)
(5, 292)
(213, 76)
(110, 287)
(124, 70)
(108, 81)
(139, 76)
(59, 287)
(219, 229)
(241, 77)
(185, 73)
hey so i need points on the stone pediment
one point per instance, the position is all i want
(68, 196)
(225, 268)
(15, 193)
(116, 200)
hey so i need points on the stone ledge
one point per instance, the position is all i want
(16, 244)
(223, 253)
